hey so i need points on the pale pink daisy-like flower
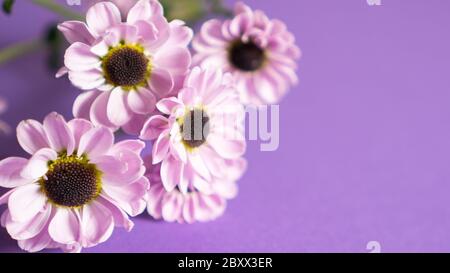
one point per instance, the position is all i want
(193, 205)
(126, 67)
(260, 52)
(76, 187)
(4, 127)
(197, 131)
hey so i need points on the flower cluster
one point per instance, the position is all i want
(135, 72)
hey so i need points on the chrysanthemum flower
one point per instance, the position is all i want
(4, 127)
(194, 205)
(261, 53)
(128, 65)
(76, 187)
(197, 131)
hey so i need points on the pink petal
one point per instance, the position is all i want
(76, 31)
(180, 34)
(120, 217)
(227, 147)
(58, 133)
(87, 79)
(25, 202)
(71, 248)
(134, 126)
(160, 148)
(204, 81)
(79, 127)
(178, 150)
(130, 197)
(171, 170)
(96, 142)
(101, 48)
(5, 197)
(78, 57)
(184, 182)
(188, 95)
(31, 136)
(82, 105)
(198, 164)
(266, 90)
(134, 169)
(199, 183)
(141, 11)
(37, 165)
(240, 24)
(161, 82)
(214, 204)
(126, 32)
(64, 228)
(236, 168)
(102, 16)
(97, 224)
(98, 111)
(30, 228)
(172, 206)
(61, 72)
(109, 165)
(10, 169)
(117, 110)
(226, 189)
(141, 101)
(154, 197)
(167, 105)
(148, 34)
(240, 7)
(37, 243)
(133, 145)
(188, 210)
(211, 33)
(175, 59)
(214, 163)
(153, 127)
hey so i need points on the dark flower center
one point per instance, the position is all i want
(71, 182)
(126, 66)
(246, 56)
(195, 128)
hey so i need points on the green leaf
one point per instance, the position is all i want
(54, 42)
(7, 6)
(186, 10)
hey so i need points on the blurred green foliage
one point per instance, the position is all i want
(7, 6)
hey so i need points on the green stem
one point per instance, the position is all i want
(217, 7)
(59, 9)
(20, 49)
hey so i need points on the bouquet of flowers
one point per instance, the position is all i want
(181, 94)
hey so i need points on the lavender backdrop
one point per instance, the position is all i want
(365, 138)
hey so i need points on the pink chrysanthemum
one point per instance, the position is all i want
(128, 66)
(261, 53)
(198, 130)
(193, 205)
(4, 127)
(76, 187)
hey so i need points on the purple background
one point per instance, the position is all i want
(364, 150)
